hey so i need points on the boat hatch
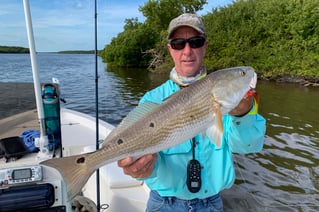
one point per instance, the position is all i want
(35, 197)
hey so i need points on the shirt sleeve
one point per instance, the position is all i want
(245, 134)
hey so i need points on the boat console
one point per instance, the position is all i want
(31, 187)
(16, 176)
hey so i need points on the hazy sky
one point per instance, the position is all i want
(69, 24)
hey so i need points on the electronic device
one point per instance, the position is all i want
(194, 181)
(13, 176)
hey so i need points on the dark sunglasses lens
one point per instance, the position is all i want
(178, 43)
(196, 42)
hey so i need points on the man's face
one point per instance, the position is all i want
(188, 61)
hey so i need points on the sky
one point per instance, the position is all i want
(69, 24)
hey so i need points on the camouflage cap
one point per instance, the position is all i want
(186, 19)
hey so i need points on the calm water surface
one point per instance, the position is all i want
(283, 177)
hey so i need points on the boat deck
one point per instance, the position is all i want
(17, 109)
(15, 125)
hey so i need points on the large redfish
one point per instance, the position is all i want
(152, 127)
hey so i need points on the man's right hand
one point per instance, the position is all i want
(140, 168)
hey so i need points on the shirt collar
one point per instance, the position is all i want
(185, 81)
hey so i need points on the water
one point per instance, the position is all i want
(283, 177)
(118, 91)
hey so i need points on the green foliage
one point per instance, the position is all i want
(128, 48)
(275, 37)
(13, 49)
(159, 13)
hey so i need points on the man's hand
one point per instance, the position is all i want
(140, 168)
(244, 105)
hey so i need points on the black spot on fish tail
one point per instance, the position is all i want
(120, 141)
(152, 124)
(80, 160)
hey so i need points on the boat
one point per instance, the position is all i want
(26, 185)
(119, 192)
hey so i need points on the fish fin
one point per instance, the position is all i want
(215, 132)
(136, 114)
(139, 112)
(75, 175)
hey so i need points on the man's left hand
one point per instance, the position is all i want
(244, 105)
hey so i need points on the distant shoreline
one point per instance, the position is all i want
(305, 81)
(23, 50)
(14, 49)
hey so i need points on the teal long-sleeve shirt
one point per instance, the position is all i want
(241, 135)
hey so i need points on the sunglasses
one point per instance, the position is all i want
(194, 42)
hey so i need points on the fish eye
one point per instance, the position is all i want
(242, 73)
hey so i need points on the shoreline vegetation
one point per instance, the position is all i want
(77, 52)
(14, 50)
(302, 80)
(280, 39)
(23, 50)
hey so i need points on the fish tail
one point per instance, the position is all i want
(74, 170)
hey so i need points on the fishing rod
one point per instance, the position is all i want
(98, 197)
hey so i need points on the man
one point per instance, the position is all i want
(167, 173)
